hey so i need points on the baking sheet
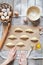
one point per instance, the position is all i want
(27, 43)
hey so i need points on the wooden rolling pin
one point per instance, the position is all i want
(4, 35)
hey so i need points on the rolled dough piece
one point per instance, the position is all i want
(24, 37)
(10, 44)
(18, 30)
(34, 39)
(20, 44)
(29, 30)
(12, 37)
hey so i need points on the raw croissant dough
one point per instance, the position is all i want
(20, 44)
(12, 37)
(10, 44)
(18, 30)
(29, 30)
(34, 39)
(24, 37)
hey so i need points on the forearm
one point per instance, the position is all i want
(5, 62)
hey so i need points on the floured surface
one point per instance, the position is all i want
(27, 43)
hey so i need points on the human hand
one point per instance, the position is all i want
(23, 59)
(11, 55)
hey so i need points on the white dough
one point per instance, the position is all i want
(8, 9)
(34, 39)
(10, 44)
(29, 30)
(24, 37)
(7, 17)
(5, 14)
(2, 17)
(20, 44)
(12, 37)
(3, 10)
(18, 30)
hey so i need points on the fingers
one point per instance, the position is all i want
(22, 58)
(14, 57)
(14, 48)
(12, 54)
(14, 51)
(20, 62)
(23, 55)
